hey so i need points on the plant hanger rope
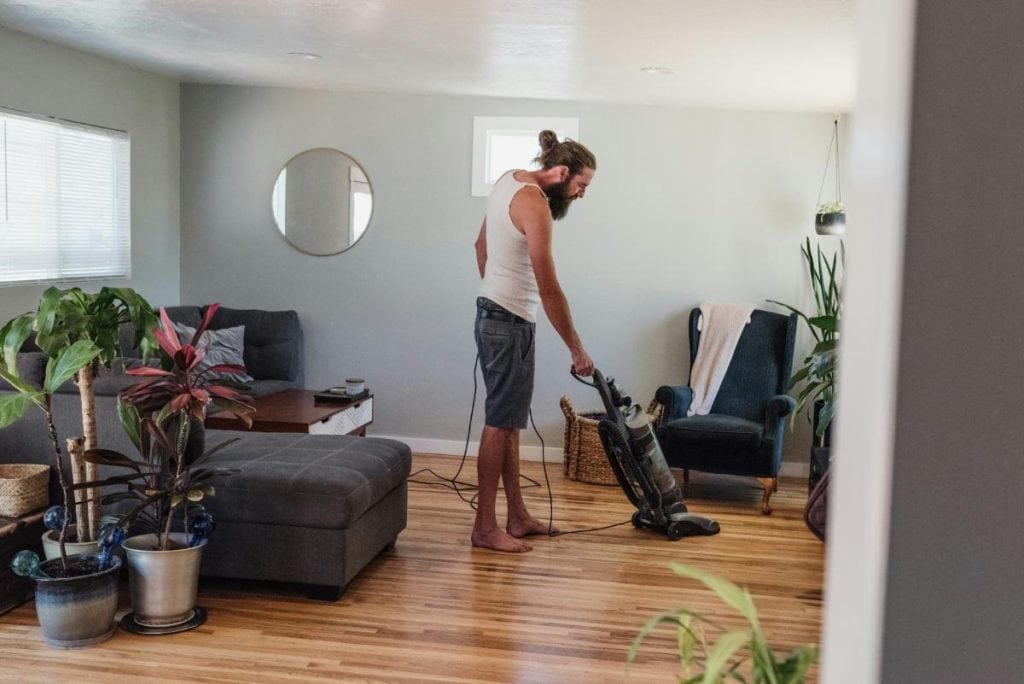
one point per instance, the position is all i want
(833, 142)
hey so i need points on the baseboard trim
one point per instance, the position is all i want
(529, 452)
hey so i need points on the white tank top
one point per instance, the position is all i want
(508, 273)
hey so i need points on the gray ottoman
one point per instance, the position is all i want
(312, 509)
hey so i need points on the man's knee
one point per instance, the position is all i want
(501, 434)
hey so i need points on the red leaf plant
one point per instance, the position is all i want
(183, 390)
(181, 387)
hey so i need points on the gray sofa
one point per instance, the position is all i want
(309, 509)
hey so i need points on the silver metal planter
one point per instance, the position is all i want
(77, 611)
(163, 585)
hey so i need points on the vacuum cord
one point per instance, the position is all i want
(454, 482)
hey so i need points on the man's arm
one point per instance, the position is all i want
(529, 212)
(481, 247)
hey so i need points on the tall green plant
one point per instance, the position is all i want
(64, 319)
(704, 663)
(59, 369)
(819, 367)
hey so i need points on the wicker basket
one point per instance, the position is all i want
(23, 488)
(585, 459)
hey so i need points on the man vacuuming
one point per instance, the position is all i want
(514, 255)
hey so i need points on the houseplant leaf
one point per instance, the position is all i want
(70, 360)
(112, 458)
(13, 407)
(794, 669)
(17, 383)
(13, 336)
(131, 422)
(721, 652)
(735, 597)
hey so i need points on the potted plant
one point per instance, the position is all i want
(64, 318)
(76, 596)
(735, 652)
(168, 484)
(819, 367)
(830, 219)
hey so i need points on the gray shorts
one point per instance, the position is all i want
(505, 343)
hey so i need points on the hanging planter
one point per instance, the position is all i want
(830, 217)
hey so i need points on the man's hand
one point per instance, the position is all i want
(582, 364)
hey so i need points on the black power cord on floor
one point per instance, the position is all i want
(459, 486)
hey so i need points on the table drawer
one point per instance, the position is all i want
(344, 422)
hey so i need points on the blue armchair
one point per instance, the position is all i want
(743, 433)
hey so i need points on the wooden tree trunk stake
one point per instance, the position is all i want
(75, 450)
(88, 399)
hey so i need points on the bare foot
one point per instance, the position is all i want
(498, 541)
(527, 526)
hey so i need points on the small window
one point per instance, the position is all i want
(501, 143)
(64, 201)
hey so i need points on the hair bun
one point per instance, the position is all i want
(548, 139)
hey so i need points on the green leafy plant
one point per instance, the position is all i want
(818, 371)
(729, 656)
(831, 208)
(78, 332)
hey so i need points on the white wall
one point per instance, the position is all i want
(49, 79)
(954, 584)
(687, 205)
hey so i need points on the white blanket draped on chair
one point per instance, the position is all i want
(721, 326)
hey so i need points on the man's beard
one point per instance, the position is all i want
(557, 200)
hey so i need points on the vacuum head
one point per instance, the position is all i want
(639, 466)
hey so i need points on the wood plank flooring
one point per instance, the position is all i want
(435, 610)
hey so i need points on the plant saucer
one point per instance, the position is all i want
(128, 623)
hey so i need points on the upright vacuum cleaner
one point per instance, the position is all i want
(640, 467)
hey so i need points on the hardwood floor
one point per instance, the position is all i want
(433, 609)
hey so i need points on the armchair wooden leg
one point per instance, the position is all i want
(769, 485)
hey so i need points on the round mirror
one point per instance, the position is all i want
(322, 201)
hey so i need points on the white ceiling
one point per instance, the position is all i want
(746, 54)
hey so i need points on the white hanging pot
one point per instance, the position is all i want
(831, 223)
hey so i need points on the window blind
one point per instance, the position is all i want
(64, 201)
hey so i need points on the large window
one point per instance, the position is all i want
(501, 143)
(64, 201)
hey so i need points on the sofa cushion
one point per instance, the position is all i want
(31, 367)
(322, 481)
(225, 345)
(273, 341)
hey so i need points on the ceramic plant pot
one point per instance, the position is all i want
(833, 223)
(51, 544)
(78, 610)
(163, 583)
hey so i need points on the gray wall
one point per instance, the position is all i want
(687, 205)
(954, 592)
(49, 79)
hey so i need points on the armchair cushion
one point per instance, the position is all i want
(715, 431)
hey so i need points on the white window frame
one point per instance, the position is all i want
(52, 215)
(485, 128)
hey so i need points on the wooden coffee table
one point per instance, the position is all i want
(298, 411)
